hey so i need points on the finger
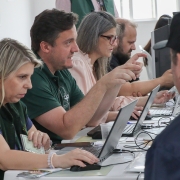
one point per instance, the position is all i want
(135, 57)
(30, 135)
(40, 139)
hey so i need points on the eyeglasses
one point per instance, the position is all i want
(111, 39)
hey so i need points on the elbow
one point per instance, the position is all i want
(3, 167)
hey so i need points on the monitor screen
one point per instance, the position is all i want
(161, 57)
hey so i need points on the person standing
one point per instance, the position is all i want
(83, 7)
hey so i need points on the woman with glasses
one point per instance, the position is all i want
(16, 67)
(96, 40)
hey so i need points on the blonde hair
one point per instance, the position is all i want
(13, 55)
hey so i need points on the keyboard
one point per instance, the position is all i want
(129, 128)
(93, 149)
(159, 112)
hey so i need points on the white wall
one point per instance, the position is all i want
(14, 19)
(17, 16)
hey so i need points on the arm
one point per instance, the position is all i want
(63, 5)
(19, 160)
(92, 107)
(144, 87)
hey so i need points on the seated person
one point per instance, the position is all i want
(55, 104)
(17, 65)
(162, 159)
(90, 63)
(126, 32)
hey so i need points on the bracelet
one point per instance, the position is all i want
(50, 156)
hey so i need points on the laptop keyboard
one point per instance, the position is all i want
(129, 128)
(165, 112)
(93, 149)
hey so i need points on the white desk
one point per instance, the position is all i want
(117, 172)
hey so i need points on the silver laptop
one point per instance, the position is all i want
(103, 152)
(132, 129)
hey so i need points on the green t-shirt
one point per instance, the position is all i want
(50, 91)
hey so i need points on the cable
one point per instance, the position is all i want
(138, 175)
(144, 144)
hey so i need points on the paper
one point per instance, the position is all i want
(33, 174)
(28, 145)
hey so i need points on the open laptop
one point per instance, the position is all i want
(132, 129)
(103, 152)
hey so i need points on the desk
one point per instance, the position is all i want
(117, 172)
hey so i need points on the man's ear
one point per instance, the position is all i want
(45, 47)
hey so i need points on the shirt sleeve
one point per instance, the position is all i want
(63, 5)
(28, 123)
(40, 98)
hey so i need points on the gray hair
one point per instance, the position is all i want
(13, 55)
(91, 27)
(121, 26)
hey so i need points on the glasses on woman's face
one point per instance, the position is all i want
(111, 38)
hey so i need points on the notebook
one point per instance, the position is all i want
(103, 152)
(132, 129)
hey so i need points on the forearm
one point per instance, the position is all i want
(13, 159)
(111, 116)
(82, 113)
(144, 87)
(104, 106)
(142, 101)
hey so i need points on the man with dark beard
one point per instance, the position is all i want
(126, 32)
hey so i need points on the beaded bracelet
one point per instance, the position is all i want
(50, 156)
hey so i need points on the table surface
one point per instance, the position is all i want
(118, 171)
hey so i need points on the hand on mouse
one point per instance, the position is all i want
(74, 157)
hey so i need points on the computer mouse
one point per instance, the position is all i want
(148, 117)
(97, 135)
(86, 168)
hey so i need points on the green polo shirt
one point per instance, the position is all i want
(51, 91)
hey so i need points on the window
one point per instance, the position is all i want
(145, 9)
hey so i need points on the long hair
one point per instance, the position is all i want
(13, 55)
(89, 31)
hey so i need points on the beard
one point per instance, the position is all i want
(122, 57)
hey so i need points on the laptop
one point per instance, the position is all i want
(132, 129)
(103, 152)
(167, 111)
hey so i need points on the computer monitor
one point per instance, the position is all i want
(161, 58)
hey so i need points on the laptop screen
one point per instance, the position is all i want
(116, 130)
(146, 108)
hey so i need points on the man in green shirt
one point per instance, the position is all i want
(55, 103)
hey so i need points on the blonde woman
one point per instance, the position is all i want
(16, 67)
